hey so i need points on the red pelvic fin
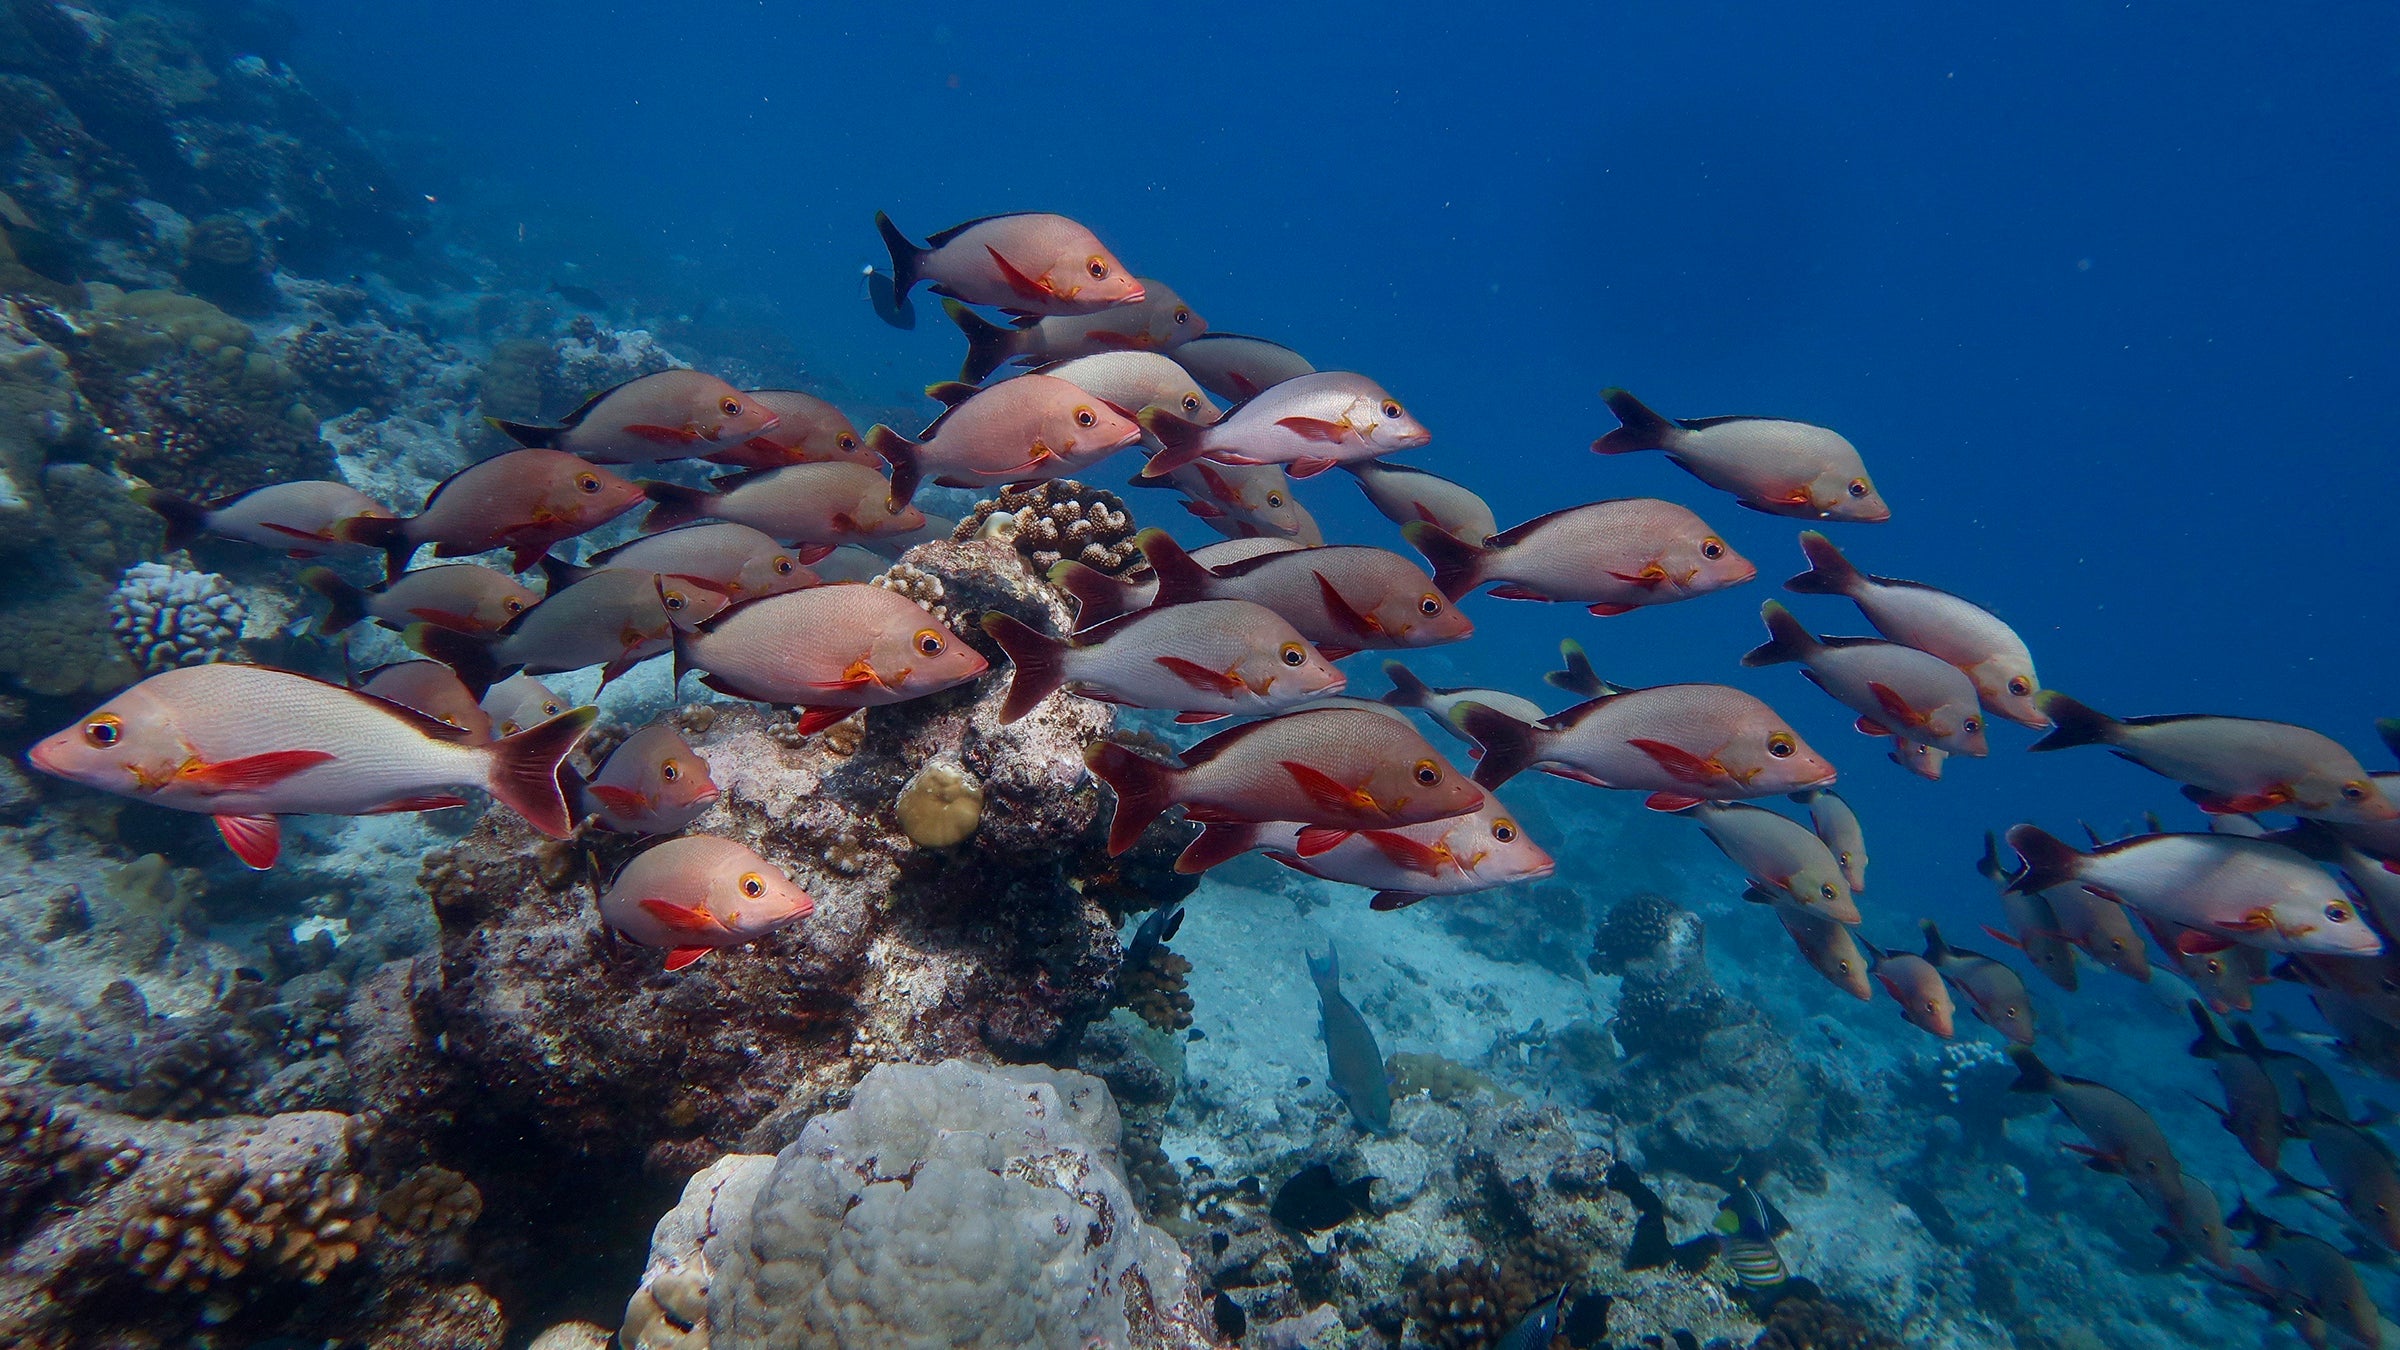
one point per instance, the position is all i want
(256, 840)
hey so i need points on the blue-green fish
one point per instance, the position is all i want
(1353, 1062)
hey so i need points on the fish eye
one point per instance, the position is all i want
(753, 885)
(513, 605)
(1827, 890)
(674, 601)
(1505, 831)
(2337, 912)
(2020, 686)
(2354, 792)
(1781, 745)
(587, 482)
(1930, 1005)
(928, 641)
(1431, 604)
(1097, 267)
(670, 770)
(1275, 500)
(1294, 654)
(845, 441)
(1858, 487)
(553, 709)
(1391, 408)
(1844, 857)
(1712, 549)
(1182, 315)
(104, 730)
(731, 407)
(1428, 773)
(784, 565)
(1972, 725)
(1085, 417)
(1191, 403)
(1842, 966)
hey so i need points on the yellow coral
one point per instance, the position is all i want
(941, 806)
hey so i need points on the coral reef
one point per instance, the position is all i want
(1155, 988)
(166, 617)
(207, 1217)
(946, 1205)
(1814, 1324)
(940, 805)
(1055, 520)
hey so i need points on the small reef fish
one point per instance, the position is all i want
(1312, 1201)
(1680, 743)
(700, 894)
(1747, 1225)
(671, 414)
(2308, 1279)
(1458, 855)
(612, 619)
(1160, 320)
(1203, 661)
(807, 430)
(1024, 430)
(1838, 826)
(813, 507)
(2221, 978)
(743, 562)
(828, 651)
(432, 689)
(1613, 557)
(1128, 380)
(1443, 704)
(1536, 1329)
(1824, 942)
(296, 518)
(1935, 622)
(1100, 597)
(1925, 761)
(2194, 1227)
(653, 783)
(248, 745)
(1234, 366)
(1779, 854)
(2361, 1175)
(1025, 263)
(1408, 496)
(1768, 464)
(2124, 1139)
(2234, 765)
(2301, 1084)
(1155, 932)
(1244, 501)
(1995, 994)
(1917, 987)
(1307, 424)
(2238, 890)
(1337, 769)
(1353, 1061)
(466, 597)
(1343, 597)
(525, 501)
(520, 701)
(2034, 927)
(1895, 690)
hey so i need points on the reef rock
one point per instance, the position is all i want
(947, 1205)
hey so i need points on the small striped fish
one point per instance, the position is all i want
(1747, 1225)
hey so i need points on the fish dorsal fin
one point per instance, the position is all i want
(424, 722)
(727, 482)
(934, 241)
(1517, 534)
(1242, 567)
(1218, 744)
(1107, 628)
(591, 401)
(1844, 643)
(1703, 423)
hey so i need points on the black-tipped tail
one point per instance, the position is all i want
(345, 604)
(1040, 660)
(1829, 573)
(1180, 579)
(525, 770)
(2032, 1074)
(1407, 690)
(1145, 789)
(1578, 677)
(1787, 639)
(2211, 1042)
(908, 467)
(2049, 860)
(989, 345)
(186, 519)
(2072, 723)
(2389, 729)
(1181, 442)
(381, 532)
(1642, 429)
(673, 504)
(1098, 596)
(1508, 744)
(525, 433)
(1456, 563)
(889, 294)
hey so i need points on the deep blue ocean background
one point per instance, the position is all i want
(2104, 294)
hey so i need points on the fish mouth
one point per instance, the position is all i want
(1135, 296)
(40, 757)
(708, 798)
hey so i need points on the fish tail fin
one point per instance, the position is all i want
(2211, 1042)
(525, 770)
(889, 294)
(908, 467)
(1988, 866)
(1455, 561)
(1642, 429)
(558, 573)
(2072, 723)
(1935, 948)
(1508, 744)
(1180, 440)
(186, 519)
(1787, 638)
(1829, 573)
(1217, 843)
(2032, 1074)
(1577, 677)
(1180, 580)
(525, 433)
(1145, 789)
(468, 655)
(2388, 728)
(672, 504)
(2049, 860)
(383, 532)
(951, 393)
(988, 346)
(1407, 690)
(1325, 971)
(1040, 660)
(1096, 594)
(345, 604)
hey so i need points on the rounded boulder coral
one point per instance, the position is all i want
(166, 617)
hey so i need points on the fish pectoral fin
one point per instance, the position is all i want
(442, 618)
(623, 800)
(1204, 510)
(1670, 801)
(1309, 466)
(857, 675)
(1327, 792)
(1342, 611)
(2099, 1160)
(1317, 429)
(1607, 609)
(2256, 921)
(434, 802)
(680, 957)
(2194, 942)
(2010, 938)
(1679, 762)
(1022, 284)
(1199, 676)
(658, 435)
(679, 918)
(2272, 799)
(1651, 576)
(256, 840)
(250, 772)
(1513, 591)
(1892, 702)
(1413, 854)
(1868, 726)
(1316, 839)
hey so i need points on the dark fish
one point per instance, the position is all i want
(1312, 1201)
(1353, 1061)
(1650, 1247)
(1995, 993)
(1539, 1327)
(2307, 1276)
(579, 295)
(2124, 1139)
(1587, 1321)
(2305, 1089)
(2253, 1111)
(1156, 931)
(1230, 1319)
(2362, 1175)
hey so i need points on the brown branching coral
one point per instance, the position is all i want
(1156, 991)
(205, 1218)
(1058, 520)
(1467, 1304)
(43, 1156)
(432, 1200)
(917, 584)
(1814, 1324)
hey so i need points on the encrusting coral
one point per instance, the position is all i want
(432, 1200)
(1058, 520)
(940, 806)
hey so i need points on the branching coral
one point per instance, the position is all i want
(917, 584)
(346, 367)
(1814, 1324)
(205, 1218)
(43, 1155)
(167, 617)
(1060, 519)
(1156, 989)
(432, 1200)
